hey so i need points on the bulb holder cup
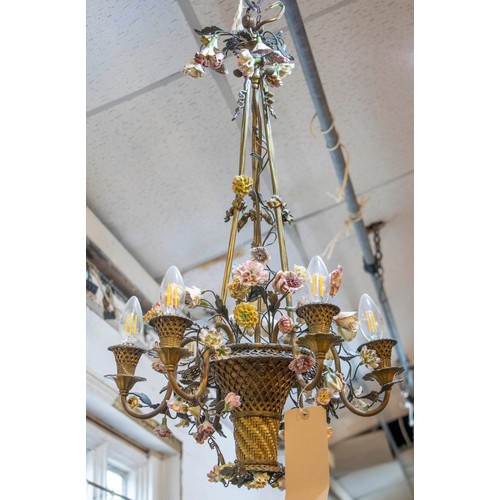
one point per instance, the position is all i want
(383, 349)
(319, 343)
(170, 329)
(385, 376)
(127, 357)
(125, 383)
(170, 356)
(318, 317)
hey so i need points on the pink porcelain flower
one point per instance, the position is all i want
(285, 324)
(205, 430)
(287, 281)
(162, 430)
(232, 401)
(302, 364)
(251, 273)
(335, 280)
(158, 366)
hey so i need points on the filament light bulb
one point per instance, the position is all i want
(318, 284)
(370, 318)
(172, 292)
(131, 324)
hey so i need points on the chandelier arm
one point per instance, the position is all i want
(369, 413)
(273, 19)
(143, 416)
(277, 207)
(203, 383)
(349, 406)
(228, 331)
(309, 386)
(273, 339)
(234, 224)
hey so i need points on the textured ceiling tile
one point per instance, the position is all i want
(157, 178)
(132, 44)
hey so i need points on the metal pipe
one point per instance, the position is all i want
(306, 58)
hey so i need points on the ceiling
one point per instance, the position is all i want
(162, 149)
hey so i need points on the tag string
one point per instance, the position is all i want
(346, 229)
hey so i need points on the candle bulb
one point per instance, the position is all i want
(317, 286)
(131, 324)
(172, 292)
(370, 318)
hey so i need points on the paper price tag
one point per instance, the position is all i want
(307, 468)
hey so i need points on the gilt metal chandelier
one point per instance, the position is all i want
(284, 340)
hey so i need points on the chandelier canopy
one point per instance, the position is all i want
(278, 337)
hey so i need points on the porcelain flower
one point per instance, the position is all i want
(214, 476)
(302, 364)
(302, 272)
(246, 63)
(369, 357)
(287, 281)
(158, 366)
(246, 315)
(285, 324)
(211, 338)
(162, 430)
(193, 297)
(178, 405)
(222, 352)
(232, 401)
(359, 404)
(133, 402)
(251, 273)
(260, 479)
(242, 185)
(347, 325)
(324, 396)
(237, 290)
(260, 254)
(335, 280)
(277, 57)
(333, 381)
(193, 70)
(204, 431)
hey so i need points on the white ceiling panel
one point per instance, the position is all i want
(158, 179)
(132, 44)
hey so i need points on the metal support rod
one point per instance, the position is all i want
(325, 117)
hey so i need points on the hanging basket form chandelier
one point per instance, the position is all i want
(278, 338)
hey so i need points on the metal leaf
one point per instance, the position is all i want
(143, 398)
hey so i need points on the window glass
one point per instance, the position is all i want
(116, 481)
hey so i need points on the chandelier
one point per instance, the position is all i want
(278, 338)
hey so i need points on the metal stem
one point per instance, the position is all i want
(305, 55)
(277, 210)
(234, 222)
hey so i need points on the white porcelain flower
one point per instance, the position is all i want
(246, 62)
(193, 70)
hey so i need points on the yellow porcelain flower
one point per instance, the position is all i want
(246, 315)
(237, 290)
(324, 396)
(133, 402)
(260, 479)
(242, 185)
